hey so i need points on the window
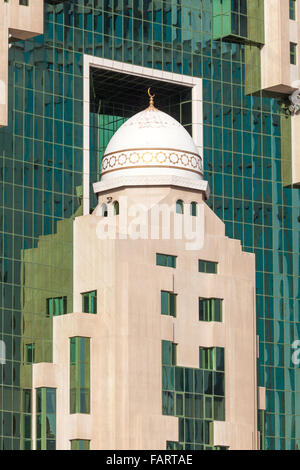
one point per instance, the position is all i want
(24, 2)
(165, 260)
(169, 353)
(45, 418)
(210, 309)
(103, 211)
(292, 9)
(211, 359)
(293, 53)
(168, 303)
(116, 208)
(179, 207)
(209, 267)
(80, 444)
(193, 209)
(56, 306)
(79, 375)
(89, 302)
(29, 353)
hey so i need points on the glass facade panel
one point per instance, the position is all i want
(246, 144)
(196, 397)
(26, 427)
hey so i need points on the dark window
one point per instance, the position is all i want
(179, 207)
(212, 359)
(80, 444)
(89, 302)
(194, 209)
(169, 354)
(104, 211)
(116, 208)
(56, 306)
(209, 267)
(292, 9)
(293, 53)
(29, 353)
(168, 303)
(210, 309)
(165, 260)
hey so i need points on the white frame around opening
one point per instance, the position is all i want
(96, 62)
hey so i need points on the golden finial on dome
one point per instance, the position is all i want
(151, 103)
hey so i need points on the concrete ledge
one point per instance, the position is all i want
(159, 180)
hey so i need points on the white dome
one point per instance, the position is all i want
(151, 143)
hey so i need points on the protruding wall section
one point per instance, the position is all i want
(126, 387)
(270, 30)
(17, 22)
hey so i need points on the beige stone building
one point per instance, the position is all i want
(19, 19)
(159, 350)
(280, 66)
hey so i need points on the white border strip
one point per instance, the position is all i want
(97, 62)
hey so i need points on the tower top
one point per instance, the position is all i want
(151, 102)
(151, 143)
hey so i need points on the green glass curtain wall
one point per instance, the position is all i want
(195, 396)
(41, 155)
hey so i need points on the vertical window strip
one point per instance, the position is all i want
(194, 209)
(116, 208)
(79, 375)
(292, 8)
(179, 207)
(293, 53)
(45, 418)
(29, 353)
(168, 303)
(169, 353)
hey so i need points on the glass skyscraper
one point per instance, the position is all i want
(247, 153)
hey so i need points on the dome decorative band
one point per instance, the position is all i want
(169, 158)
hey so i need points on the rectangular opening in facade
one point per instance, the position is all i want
(116, 96)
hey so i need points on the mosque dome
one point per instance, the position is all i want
(151, 143)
